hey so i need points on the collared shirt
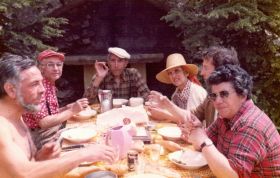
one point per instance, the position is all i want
(49, 106)
(205, 112)
(250, 142)
(131, 85)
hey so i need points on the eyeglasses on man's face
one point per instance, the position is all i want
(223, 95)
(52, 64)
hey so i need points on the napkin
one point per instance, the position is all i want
(115, 116)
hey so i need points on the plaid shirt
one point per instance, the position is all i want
(250, 142)
(32, 119)
(131, 85)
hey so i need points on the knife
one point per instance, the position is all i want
(72, 147)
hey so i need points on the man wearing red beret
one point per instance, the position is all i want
(45, 123)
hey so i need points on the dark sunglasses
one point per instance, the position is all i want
(223, 94)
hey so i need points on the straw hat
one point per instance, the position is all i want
(176, 60)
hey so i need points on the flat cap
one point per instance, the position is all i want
(121, 53)
(50, 53)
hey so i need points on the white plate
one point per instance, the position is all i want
(79, 135)
(147, 175)
(188, 159)
(101, 174)
(170, 133)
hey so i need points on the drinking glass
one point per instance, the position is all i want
(155, 152)
(140, 165)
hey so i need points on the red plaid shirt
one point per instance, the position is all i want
(32, 119)
(250, 142)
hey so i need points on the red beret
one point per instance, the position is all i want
(50, 53)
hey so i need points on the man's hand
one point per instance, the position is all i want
(101, 69)
(99, 152)
(48, 151)
(197, 136)
(191, 122)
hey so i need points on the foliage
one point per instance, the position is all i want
(252, 27)
(25, 25)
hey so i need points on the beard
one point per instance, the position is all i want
(27, 107)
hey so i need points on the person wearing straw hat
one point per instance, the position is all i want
(212, 57)
(188, 94)
(113, 75)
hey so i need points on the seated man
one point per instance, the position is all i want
(124, 82)
(45, 123)
(245, 141)
(212, 57)
(21, 89)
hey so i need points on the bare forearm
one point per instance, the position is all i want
(91, 91)
(55, 167)
(218, 163)
(55, 119)
(178, 114)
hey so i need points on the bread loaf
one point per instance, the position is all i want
(119, 169)
(170, 146)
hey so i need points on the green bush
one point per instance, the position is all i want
(25, 25)
(252, 27)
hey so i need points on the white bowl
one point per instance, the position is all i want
(188, 159)
(136, 101)
(85, 114)
(146, 175)
(118, 102)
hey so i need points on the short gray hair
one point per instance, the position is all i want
(10, 68)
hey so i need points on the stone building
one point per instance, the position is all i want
(95, 25)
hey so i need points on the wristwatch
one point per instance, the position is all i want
(207, 142)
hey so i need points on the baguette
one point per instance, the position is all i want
(170, 146)
(119, 169)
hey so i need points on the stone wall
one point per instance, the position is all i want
(134, 25)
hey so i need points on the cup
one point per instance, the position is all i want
(140, 165)
(154, 152)
(136, 101)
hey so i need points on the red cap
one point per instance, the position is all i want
(50, 53)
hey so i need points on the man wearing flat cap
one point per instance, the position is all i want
(45, 123)
(113, 75)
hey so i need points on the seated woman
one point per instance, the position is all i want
(188, 94)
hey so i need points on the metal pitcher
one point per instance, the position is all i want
(105, 98)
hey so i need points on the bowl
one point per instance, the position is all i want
(118, 102)
(101, 174)
(136, 101)
(85, 114)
